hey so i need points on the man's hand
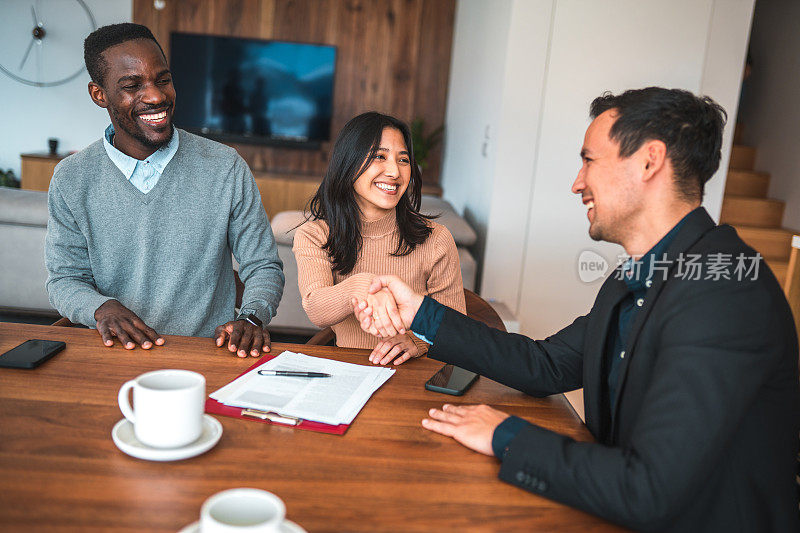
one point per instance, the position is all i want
(386, 317)
(382, 305)
(116, 320)
(471, 425)
(243, 338)
(400, 346)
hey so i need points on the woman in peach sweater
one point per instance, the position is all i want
(364, 221)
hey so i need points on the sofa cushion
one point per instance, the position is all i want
(469, 268)
(285, 223)
(23, 207)
(461, 231)
(23, 226)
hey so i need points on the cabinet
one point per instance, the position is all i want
(37, 169)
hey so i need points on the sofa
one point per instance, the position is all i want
(23, 225)
(291, 317)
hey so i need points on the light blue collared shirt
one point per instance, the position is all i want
(142, 174)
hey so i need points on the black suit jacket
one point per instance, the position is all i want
(705, 430)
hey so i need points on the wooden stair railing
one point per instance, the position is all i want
(791, 288)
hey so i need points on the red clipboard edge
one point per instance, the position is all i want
(216, 408)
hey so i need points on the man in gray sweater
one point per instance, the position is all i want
(144, 221)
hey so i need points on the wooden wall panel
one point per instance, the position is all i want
(393, 56)
(430, 92)
(312, 21)
(235, 17)
(284, 193)
(267, 20)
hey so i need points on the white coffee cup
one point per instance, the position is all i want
(167, 408)
(242, 510)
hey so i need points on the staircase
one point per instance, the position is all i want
(756, 218)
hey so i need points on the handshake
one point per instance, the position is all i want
(389, 308)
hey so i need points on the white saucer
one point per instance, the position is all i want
(126, 441)
(286, 527)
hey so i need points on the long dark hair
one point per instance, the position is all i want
(335, 201)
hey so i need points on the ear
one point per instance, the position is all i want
(98, 95)
(654, 155)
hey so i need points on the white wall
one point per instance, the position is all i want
(771, 114)
(517, 147)
(559, 55)
(728, 37)
(480, 41)
(31, 115)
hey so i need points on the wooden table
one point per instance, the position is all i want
(60, 470)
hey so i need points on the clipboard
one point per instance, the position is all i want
(216, 408)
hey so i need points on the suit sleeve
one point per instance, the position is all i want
(445, 284)
(538, 368)
(70, 283)
(253, 245)
(704, 380)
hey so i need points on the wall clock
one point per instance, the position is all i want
(43, 40)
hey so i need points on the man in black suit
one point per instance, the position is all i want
(688, 358)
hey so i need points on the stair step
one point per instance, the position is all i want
(742, 157)
(746, 211)
(779, 268)
(747, 183)
(772, 243)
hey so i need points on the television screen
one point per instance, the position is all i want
(250, 90)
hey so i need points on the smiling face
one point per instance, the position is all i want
(608, 184)
(138, 93)
(383, 183)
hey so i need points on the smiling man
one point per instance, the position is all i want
(690, 373)
(144, 221)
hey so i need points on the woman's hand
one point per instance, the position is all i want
(400, 347)
(384, 313)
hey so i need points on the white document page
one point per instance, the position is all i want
(334, 400)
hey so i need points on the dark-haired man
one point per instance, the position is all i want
(144, 221)
(689, 369)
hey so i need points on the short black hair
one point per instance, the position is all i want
(104, 38)
(690, 126)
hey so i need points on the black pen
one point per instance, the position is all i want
(293, 374)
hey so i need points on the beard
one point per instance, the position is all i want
(133, 129)
(609, 231)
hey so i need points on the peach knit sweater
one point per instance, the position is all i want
(431, 269)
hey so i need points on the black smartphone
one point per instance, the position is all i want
(451, 380)
(31, 354)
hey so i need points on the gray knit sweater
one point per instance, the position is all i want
(165, 255)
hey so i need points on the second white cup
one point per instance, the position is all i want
(167, 407)
(242, 510)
